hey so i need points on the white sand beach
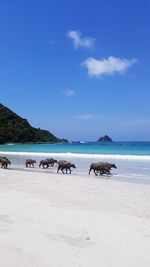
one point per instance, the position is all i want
(67, 220)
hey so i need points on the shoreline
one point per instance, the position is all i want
(79, 155)
(135, 168)
(125, 178)
(37, 143)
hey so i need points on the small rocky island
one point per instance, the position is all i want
(105, 138)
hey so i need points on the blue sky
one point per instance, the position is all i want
(80, 69)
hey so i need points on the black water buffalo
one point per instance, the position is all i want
(52, 161)
(65, 165)
(44, 163)
(1, 157)
(4, 162)
(102, 168)
(47, 162)
(30, 163)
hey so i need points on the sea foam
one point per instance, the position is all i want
(79, 156)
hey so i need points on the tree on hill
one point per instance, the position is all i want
(14, 129)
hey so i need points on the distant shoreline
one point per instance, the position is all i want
(121, 142)
(37, 143)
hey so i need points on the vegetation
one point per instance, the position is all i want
(14, 129)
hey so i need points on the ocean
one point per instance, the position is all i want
(132, 158)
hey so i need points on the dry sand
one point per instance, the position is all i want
(50, 220)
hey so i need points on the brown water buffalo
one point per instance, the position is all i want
(102, 168)
(30, 163)
(65, 165)
(4, 162)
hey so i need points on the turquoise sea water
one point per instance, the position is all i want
(131, 158)
(115, 148)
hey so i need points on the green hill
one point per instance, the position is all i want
(14, 129)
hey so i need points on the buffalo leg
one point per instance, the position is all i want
(95, 172)
(89, 171)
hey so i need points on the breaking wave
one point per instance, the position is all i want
(79, 156)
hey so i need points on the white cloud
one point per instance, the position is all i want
(87, 117)
(78, 41)
(69, 92)
(107, 66)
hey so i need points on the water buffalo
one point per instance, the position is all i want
(4, 162)
(3, 157)
(47, 162)
(30, 163)
(65, 165)
(44, 163)
(52, 161)
(102, 168)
